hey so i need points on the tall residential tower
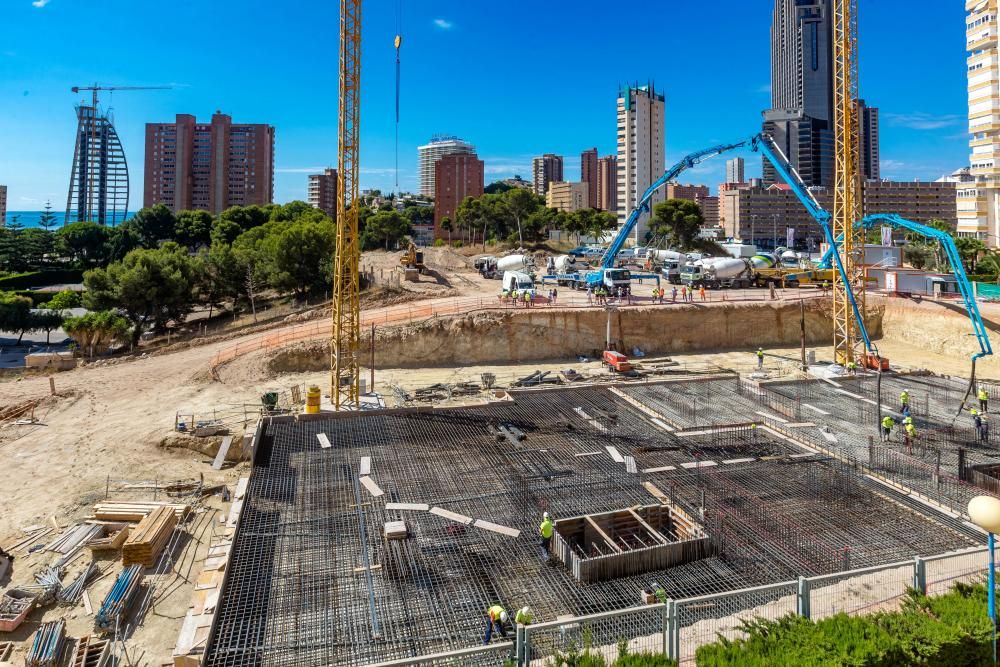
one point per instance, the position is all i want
(589, 175)
(641, 146)
(544, 170)
(428, 154)
(208, 166)
(979, 205)
(323, 192)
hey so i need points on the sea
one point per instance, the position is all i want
(31, 218)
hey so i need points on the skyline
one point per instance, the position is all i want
(466, 72)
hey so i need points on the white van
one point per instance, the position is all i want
(515, 280)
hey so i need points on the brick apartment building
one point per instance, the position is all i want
(208, 166)
(323, 192)
(456, 177)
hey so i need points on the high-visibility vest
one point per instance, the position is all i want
(911, 430)
(526, 295)
(904, 397)
(494, 612)
(522, 618)
(983, 395)
(760, 354)
(546, 528)
(887, 422)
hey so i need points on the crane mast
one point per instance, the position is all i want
(849, 287)
(345, 341)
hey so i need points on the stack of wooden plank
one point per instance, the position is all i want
(135, 510)
(147, 540)
(112, 538)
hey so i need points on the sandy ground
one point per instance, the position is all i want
(109, 420)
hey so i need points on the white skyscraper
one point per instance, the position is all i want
(641, 145)
(735, 170)
(979, 204)
(434, 151)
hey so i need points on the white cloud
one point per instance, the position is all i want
(923, 121)
(40, 3)
(441, 23)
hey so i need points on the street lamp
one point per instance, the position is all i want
(985, 513)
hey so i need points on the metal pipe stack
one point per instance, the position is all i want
(118, 599)
(47, 647)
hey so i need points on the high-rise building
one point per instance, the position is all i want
(3, 205)
(567, 196)
(800, 119)
(589, 175)
(641, 147)
(428, 154)
(98, 181)
(456, 176)
(323, 192)
(607, 183)
(208, 166)
(868, 140)
(544, 170)
(979, 204)
(735, 170)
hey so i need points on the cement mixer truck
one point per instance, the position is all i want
(561, 264)
(719, 272)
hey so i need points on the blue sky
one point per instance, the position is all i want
(517, 80)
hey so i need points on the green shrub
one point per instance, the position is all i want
(439, 243)
(29, 279)
(456, 244)
(948, 631)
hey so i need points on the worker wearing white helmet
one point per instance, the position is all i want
(545, 530)
(523, 616)
(496, 617)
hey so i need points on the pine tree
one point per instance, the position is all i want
(48, 218)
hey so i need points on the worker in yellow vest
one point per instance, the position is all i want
(904, 401)
(887, 424)
(523, 616)
(545, 530)
(496, 617)
(984, 397)
(760, 358)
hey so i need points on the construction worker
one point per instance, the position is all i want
(555, 294)
(852, 368)
(503, 296)
(760, 358)
(684, 294)
(657, 591)
(590, 296)
(545, 530)
(753, 433)
(701, 292)
(526, 295)
(496, 617)
(985, 429)
(523, 616)
(656, 293)
(904, 400)
(910, 433)
(977, 421)
(887, 424)
(514, 295)
(662, 294)
(984, 397)
(673, 294)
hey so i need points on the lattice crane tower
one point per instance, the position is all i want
(345, 343)
(847, 186)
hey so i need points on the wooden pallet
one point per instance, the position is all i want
(92, 652)
(148, 539)
(135, 511)
(112, 541)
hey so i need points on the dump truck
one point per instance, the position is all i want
(719, 272)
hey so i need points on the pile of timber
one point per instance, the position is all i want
(145, 543)
(135, 510)
(112, 537)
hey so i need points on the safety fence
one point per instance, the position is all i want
(677, 628)
(425, 310)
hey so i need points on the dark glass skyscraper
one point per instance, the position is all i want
(800, 119)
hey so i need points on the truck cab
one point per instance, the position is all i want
(516, 280)
(610, 279)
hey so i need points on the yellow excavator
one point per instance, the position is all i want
(412, 263)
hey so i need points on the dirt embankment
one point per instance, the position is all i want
(542, 333)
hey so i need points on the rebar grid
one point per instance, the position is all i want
(312, 581)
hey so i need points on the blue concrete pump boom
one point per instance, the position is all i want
(762, 144)
(687, 162)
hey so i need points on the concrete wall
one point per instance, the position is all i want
(538, 334)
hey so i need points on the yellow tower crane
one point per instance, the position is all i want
(345, 343)
(847, 192)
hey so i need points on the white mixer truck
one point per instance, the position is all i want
(718, 272)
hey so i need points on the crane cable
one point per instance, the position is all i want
(398, 41)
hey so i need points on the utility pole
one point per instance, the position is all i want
(802, 331)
